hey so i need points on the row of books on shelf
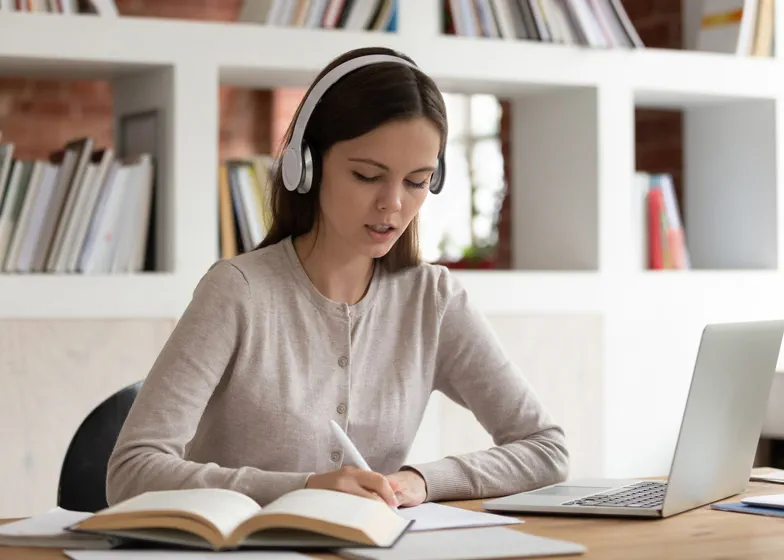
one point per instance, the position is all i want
(244, 203)
(67, 7)
(82, 210)
(742, 27)
(658, 223)
(357, 15)
(597, 23)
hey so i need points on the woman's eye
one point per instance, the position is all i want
(418, 185)
(363, 178)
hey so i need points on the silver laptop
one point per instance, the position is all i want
(724, 414)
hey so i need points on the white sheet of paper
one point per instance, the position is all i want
(769, 500)
(152, 554)
(48, 530)
(50, 523)
(772, 476)
(430, 516)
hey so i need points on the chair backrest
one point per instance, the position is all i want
(82, 484)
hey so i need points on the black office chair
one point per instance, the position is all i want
(82, 485)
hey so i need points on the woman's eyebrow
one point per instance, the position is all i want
(385, 168)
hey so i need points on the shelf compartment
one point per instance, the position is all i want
(729, 181)
(72, 199)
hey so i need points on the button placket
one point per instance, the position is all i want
(343, 362)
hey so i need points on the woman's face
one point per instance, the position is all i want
(372, 186)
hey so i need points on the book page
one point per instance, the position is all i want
(372, 517)
(224, 508)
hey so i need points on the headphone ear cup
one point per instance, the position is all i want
(437, 180)
(291, 168)
(307, 170)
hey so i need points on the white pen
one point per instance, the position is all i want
(350, 448)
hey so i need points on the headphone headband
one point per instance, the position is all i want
(297, 161)
(329, 79)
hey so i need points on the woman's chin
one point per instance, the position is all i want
(378, 250)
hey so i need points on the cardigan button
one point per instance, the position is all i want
(342, 361)
(341, 408)
(335, 456)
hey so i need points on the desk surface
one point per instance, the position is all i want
(698, 534)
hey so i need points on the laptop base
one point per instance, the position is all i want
(552, 499)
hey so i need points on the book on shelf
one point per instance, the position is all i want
(657, 223)
(742, 27)
(352, 15)
(244, 203)
(221, 519)
(81, 210)
(67, 7)
(595, 23)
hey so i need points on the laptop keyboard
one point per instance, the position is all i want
(639, 495)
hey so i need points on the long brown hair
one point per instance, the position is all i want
(360, 102)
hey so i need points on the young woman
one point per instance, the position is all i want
(334, 317)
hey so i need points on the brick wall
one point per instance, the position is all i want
(39, 116)
(284, 105)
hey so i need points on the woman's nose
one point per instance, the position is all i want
(389, 199)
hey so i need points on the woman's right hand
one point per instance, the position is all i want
(352, 480)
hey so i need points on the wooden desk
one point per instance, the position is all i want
(700, 534)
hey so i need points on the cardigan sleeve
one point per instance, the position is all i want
(473, 370)
(149, 452)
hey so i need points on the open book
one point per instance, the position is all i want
(218, 519)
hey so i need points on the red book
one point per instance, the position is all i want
(656, 229)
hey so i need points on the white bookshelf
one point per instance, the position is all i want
(573, 116)
(66, 296)
(567, 103)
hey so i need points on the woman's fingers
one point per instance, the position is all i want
(377, 483)
(352, 480)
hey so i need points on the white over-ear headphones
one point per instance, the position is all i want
(297, 160)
